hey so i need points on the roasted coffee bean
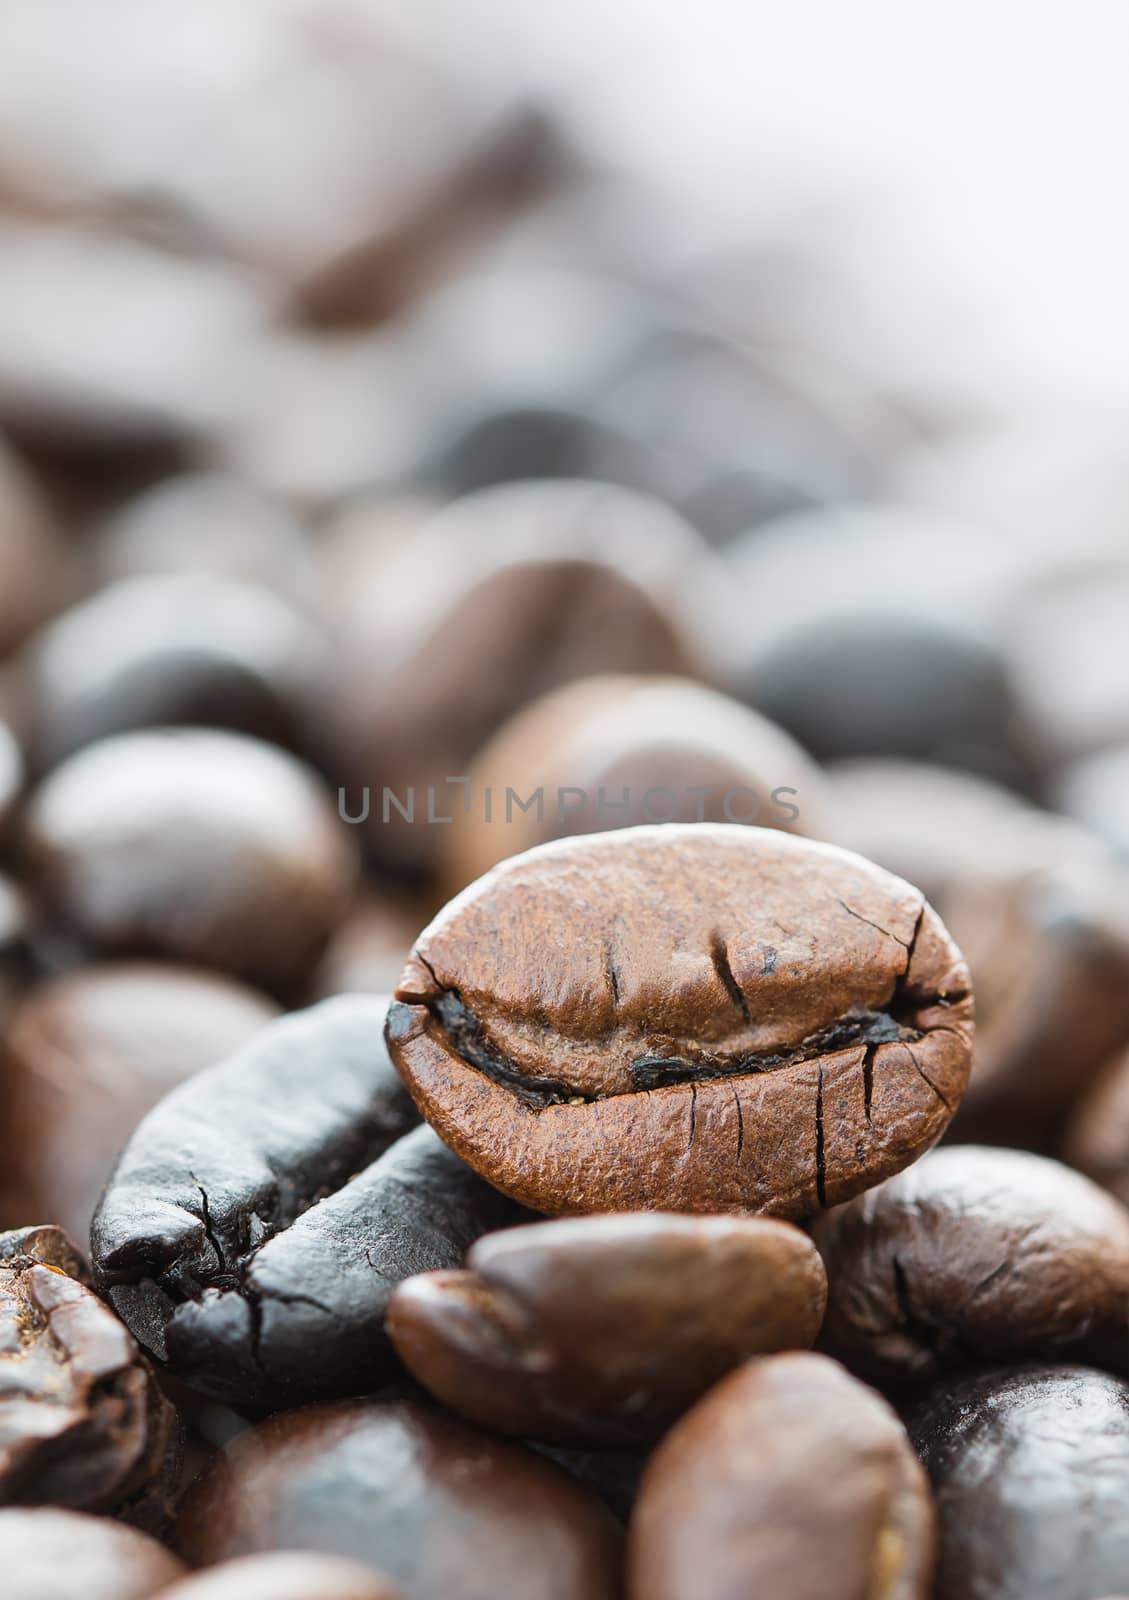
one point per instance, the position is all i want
(85, 1057)
(1096, 793)
(976, 1255)
(614, 752)
(11, 776)
(262, 1214)
(1038, 907)
(543, 583)
(197, 845)
(603, 1330)
(82, 1422)
(789, 1478)
(286, 1576)
(66, 1555)
(1096, 1140)
(440, 1507)
(33, 581)
(170, 651)
(694, 1018)
(1030, 1469)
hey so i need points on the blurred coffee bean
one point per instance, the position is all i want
(17, 960)
(367, 953)
(85, 1056)
(614, 752)
(148, 353)
(540, 442)
(67, 1555)
(206, 522)
(1030, 1469)
(169, 651)
(33, 573)
(258, 1265)
(542, 583)
(739, 498)
(1096, 1140)
(1036, 904)
(1068, 656)
(603, 1330)
(11, 776)
(442, 1508)
(285, 1576)
(194, 845)
(789, 1478)
(976, 1255)
(82, 1422)
(1096, 793)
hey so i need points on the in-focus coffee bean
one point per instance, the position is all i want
(68, 1555)
(82, 1422)
(789, 1478)
(690, 1018)
(976, 1255)
(261, 1215)
(195, 845)
(602, 1330)
(1030, 1469)
(441, 1507)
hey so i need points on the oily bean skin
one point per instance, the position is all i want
(976, 1255)
(1030, 1468)
(261, 1215)
(66, 1555)
(286, 1576)
(789, 1478)
(685, 1018)
(82, 1422)
(443, 1509)
(602, 1330)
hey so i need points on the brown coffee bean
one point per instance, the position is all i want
(680, 1018)
(197, 845)
(66, 1555)
(613, 752)
(286, 1576)
(85, 1057)
(82, 1422)
(976, 1255)
(174, 650)
(1096, 1140)
(440, 1507)
(602, 1330)
(1030, 1470)
(789, 1478)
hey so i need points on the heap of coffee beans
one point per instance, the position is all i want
(564, 929)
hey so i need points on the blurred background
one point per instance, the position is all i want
(702, 412)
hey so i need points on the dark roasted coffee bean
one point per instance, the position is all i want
(543, 583)
(170, 651)
(789, 1478)
(288, 1575)
(690, 1018)
(602, 1330)
(66, 1555)
(441, 1507)
(195, 845)
(85, 1057)
(33, 581)
(1096, 1140)
(613, 752)
(261, 1216)
(976, 1255)
(1030, 1468)
(82, 1422)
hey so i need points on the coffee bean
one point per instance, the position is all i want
(1030, 1468)
(367, 953)
(789, 1478)
(82, 1422)
(541, 442)
(286, 1576)
(685, 1018)
(181, 649)
(197, 845)
(976, 1256)
(440, 1507)
(66, 1555)
(17, 961)
(602, 1330)
(261, 1216)
(613, 752)
(1096, 1140)
(11, 776)
(85, 1057)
